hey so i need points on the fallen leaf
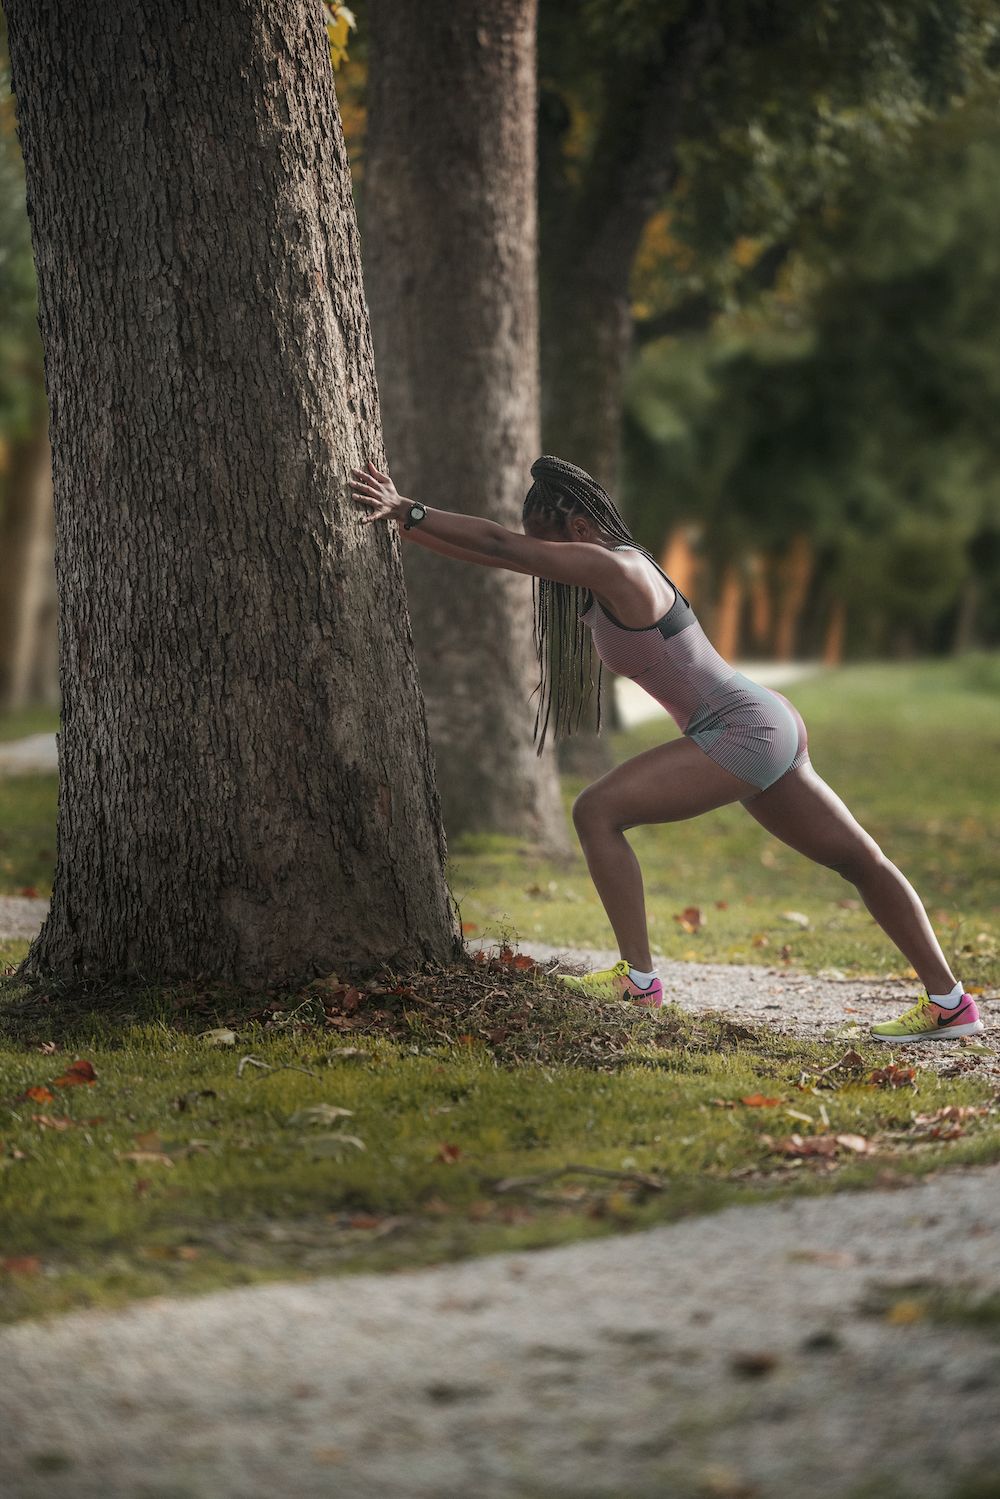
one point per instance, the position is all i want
(690, 919)
(892, 1076)
(802, 1145)
(319, 1113)
(21, 1264)
(53, 1121)
(39, 1095)
(953, 1111)
(335, 1144)
(154, 1157)
(797, 918)
(759, 1101)
(839, 1259)
(448, 1153)
(221, 1036)
(903, 1313)
(857, 1143)
(76, 1074)
(753, 1365)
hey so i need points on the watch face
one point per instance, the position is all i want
(417, 512)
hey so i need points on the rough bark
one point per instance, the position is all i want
(247, 790)
(450, 251)
(27, 623)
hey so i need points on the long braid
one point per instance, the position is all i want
(561, 490)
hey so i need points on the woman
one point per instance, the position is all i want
(740, 741)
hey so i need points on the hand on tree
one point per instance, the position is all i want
(377, 489)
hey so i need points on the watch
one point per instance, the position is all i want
(414, 515)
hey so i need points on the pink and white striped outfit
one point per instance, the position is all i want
(752, 731)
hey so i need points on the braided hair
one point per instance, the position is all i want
(561, 490)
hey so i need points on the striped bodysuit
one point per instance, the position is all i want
(752, 731)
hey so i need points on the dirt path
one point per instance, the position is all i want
(824, 1006)
(763, 1352)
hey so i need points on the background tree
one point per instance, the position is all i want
(857, 409)
(246, 785)
(733, 118)
(450, 250)
(28, 661)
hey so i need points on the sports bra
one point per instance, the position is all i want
(673, 659)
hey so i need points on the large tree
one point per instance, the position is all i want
(246, 785)
(450, 248)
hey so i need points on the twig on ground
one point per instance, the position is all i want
(514, 1183)
(267, 1066)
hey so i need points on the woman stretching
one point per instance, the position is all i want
(740, 741)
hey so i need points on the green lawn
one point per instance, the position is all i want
(177, 1165)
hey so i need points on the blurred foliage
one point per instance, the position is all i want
(859, 404)
(340, 22)
(20, 342)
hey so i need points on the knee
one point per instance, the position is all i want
(590, 809)
(858, 863)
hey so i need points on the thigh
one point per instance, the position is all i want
(665, 784)
(808, 815)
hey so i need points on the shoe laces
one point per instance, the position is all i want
(917, 1011)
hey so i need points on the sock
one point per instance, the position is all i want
(948, 1001)
(639, 977)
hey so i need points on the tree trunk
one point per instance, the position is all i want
(247, 790)
(796, 571)
(833, 638)
(450, 250)
(728, 612)
(26, 625)
(587, 337)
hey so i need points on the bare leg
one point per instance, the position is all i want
(807, 814)
(668, 783)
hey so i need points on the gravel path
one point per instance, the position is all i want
(38, 752)
(819, 1006)
(749, 1354)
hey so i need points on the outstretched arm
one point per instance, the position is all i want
(419, 537)
(579, 563)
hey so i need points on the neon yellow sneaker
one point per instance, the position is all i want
(614, 983)
(927, 1021)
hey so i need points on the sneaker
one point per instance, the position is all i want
(927, 1021)
(614, 983)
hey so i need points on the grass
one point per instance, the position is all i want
(182, 1166)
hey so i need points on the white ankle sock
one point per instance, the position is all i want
(948, 1001)
(639, 977)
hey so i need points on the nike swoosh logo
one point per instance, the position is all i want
(951, 1019)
